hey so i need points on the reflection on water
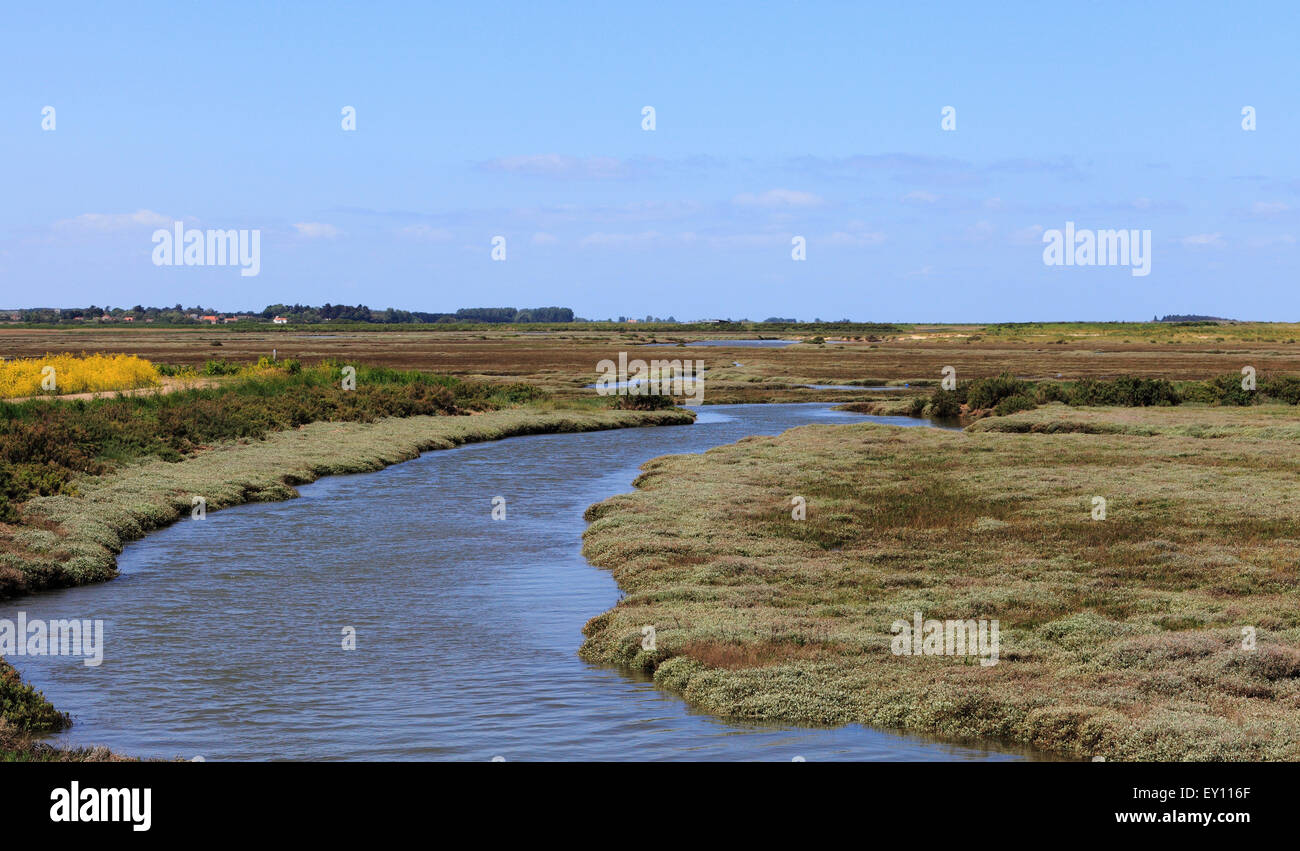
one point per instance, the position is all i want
(223, 636)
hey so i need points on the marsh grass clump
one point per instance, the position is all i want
(25, 708)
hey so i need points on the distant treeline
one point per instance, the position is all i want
(295, 313)
(305, 313)
(1191, 317)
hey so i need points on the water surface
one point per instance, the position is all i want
(749, 344)
(223, 636)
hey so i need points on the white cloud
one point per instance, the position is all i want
(981, 231)
(317, 230)
(855, 238)
(1203, 240)
(778, 198)
(620, 240)
(559, 165)
(1269, 208)
(920, 196)
(1271, 241)
(117, 221)
(425, 233)
(1027, 235)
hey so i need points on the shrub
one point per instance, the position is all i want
(945, 405)
(220, 367)
(1226, 390)
(1126, 391)
(988, 392)
(1282, 388)
(1012, 404)
(26, 708)
(75, 374)
(648, 402)
(1046, 392)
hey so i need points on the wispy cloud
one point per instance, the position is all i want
(1284, 239)
(1203, 240)
(317, 230)
(773, 198)
(920, 196)
(1027, 235)
(856, 238)
(560, 165)
(426, 233)
(116, 221)
(1270, 208)
(621, 240)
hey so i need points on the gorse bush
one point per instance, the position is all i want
(221, 367)
(1220, 390)
(176, 370)
(1283, 388)
(988, 392)
(1012, 404)
(647, 402)
(1126, 391)
(945, 404)
(75, 374)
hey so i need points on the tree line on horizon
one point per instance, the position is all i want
(296, 313)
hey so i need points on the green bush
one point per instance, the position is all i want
(945, 405)
(1046, 392)
(1283, 388)
(1126, 391)
(1224, 390)
(648, 402)
(220, 367)
(988, 392)
(26, 708)
(1012, 404)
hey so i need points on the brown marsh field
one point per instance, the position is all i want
(563, 359)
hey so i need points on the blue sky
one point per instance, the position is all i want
(821, 120)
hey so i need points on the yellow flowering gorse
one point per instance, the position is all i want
(75, 374)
